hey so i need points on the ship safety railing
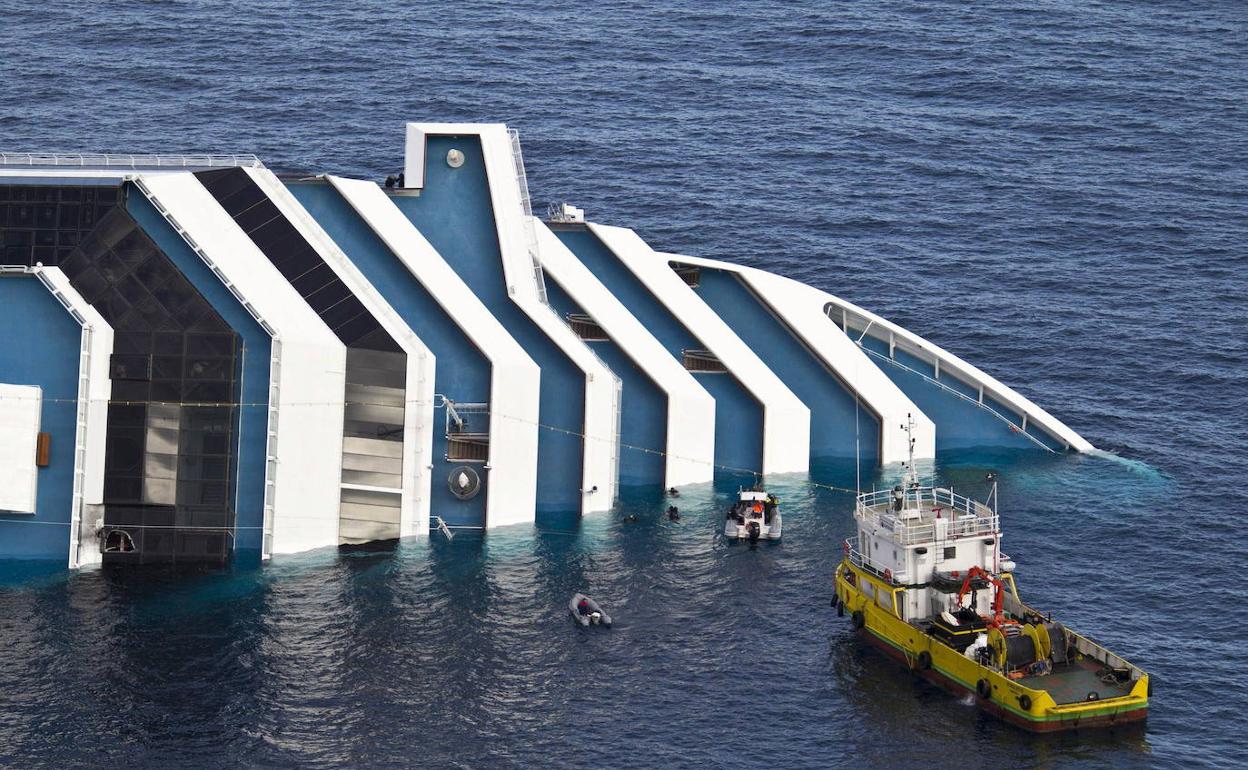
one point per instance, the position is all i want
(860, 559)
(929, 514)
(526, 209)
(104, 160)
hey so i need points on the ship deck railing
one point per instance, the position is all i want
(861, 560)
(105, 160)
(929, 514)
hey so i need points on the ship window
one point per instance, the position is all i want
(586, 327)
(690, 274)
(702, 361)
(951, 552)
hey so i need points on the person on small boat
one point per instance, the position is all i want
(582, 607)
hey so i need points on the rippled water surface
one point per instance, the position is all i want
(1056, 192)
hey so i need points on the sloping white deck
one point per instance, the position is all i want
(786, 420)
(800, 307)
(514, 377)
(517, 243)
(690, 408)
(418, 422)
(90, 437)
(308, 370)
(947, 363)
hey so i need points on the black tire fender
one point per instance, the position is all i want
(1024, 702)
(840, 610)
(924, 661)
(984, 688)
(858, 619)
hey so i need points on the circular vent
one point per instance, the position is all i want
(464, 482)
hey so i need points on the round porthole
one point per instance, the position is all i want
(454, 158)
(464, 482)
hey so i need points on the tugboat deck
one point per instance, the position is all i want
(1072, 682)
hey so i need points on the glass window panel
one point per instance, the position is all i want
(216, 369)
(90, 284)
(153, 271)
(210, 344)
(132, 342)
(167, 344)
(168, 391)
(68, 215)
(166, 367)
(18, 237)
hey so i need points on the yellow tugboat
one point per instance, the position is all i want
(926, 582)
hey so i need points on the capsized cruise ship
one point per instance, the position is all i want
(206, 361)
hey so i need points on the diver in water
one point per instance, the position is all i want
(673, 513)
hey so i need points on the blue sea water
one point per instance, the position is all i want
(1056, 191)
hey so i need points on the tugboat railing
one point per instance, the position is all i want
(859, 559)
(928, 514)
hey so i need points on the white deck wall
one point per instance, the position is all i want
(94, 390)
(418, 420)
(515, 380)
(786, 420)
(800, 307)
(308, 370)
(690, 408)
(517, 244)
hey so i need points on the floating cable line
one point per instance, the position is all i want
(422, 402)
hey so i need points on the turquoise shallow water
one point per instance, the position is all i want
(1056, 193)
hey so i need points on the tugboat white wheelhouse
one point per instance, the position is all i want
(219, 362)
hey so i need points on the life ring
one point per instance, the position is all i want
(857, 619)
(924, 660)
(1024, 702)
(984, 689)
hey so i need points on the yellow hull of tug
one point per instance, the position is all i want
(952, 670)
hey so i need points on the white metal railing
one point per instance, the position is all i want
(928, 514)
(843, 317)
(104, 160)
(526, 210)
(859, 559)
(458, 416)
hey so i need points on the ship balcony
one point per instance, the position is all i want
(927, 515)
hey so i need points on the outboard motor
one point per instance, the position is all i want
(753, 531)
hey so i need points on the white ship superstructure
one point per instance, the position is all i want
(218, 361)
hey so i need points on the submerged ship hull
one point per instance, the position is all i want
(1034, 709)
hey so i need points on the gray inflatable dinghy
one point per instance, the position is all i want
(595, 615)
